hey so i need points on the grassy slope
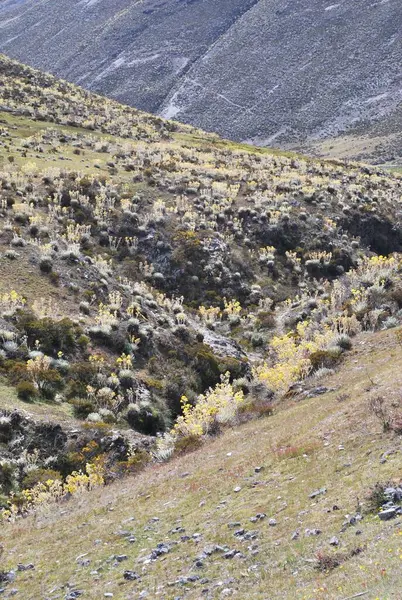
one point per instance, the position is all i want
(196, 493)
(40, 411)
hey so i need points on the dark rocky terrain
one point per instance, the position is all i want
(271, 71)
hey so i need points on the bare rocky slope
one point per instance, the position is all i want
(274, 72)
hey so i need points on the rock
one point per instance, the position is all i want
(159, 551)
(130, 576)
(309, 532)
(108, 595)
(258, 517)
(239, 532)
(231, 554)
(272, 522)
(83, 562)
(258, 469)
(334, 541)
(28, 567)
(350, 521)
(318, 391)
(73, 595)
(121, 557)
(178, 530)
(237, 489)
(393, 494)
(295, 535)
(209, 550)
(388, 513)
(316, 493)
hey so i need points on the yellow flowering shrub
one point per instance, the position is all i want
(291, 356)
(10, 302)
(218, 405)
(232, 307)
(44, 494)
(209, 315)
(125, 361)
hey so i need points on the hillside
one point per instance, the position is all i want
(274, 73)
(167, 296)
(190, 506)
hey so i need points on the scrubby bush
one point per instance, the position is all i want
(187, 444)
(219, 406)
(82, 407)
(26, 391)
(7, 476)
(145, 418)
(40, 476)
(46, 264)
(135, 463)
(53, 336)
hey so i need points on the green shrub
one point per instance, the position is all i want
(187, 444)
(40, 476)
(210, 367)
(134, 464)
(81, 374)
(51, 382)
(46, 264)
(82, 407)
(265, 320)
(15, 370)
(53, 336)
(7, 472)
(26, 391)
(376, 497)
(325, 358)
(145, 419)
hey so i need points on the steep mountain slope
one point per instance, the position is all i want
(165, 291)
(132, 51)
(271, 72)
